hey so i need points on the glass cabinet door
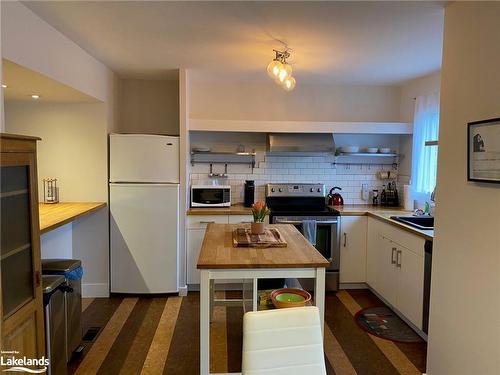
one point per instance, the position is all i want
(16, 242)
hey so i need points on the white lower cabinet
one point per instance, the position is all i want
(411, 285)
(196, 226)
(353, 249)
(396, 271)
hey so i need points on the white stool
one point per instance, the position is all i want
(283, 341)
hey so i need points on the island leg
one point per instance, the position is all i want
(205, 322)
(319, 295)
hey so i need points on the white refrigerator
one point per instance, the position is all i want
(144, 213)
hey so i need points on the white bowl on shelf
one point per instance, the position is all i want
(371, 150)
(385, 150)
(349, 149)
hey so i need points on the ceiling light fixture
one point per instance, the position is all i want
(281, 71)
(35, 96)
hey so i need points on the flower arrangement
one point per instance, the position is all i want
(259, 211)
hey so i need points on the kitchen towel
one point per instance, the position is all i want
(408, 198)
(309, 230)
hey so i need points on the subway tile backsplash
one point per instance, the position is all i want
(283, 169)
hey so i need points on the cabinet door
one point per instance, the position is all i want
(410, 285)
(374, 254)
(194, 242)
(388, 270)
(353, 249)
(201, 221)
(21, 300)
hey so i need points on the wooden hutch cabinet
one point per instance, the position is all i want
(21, 291)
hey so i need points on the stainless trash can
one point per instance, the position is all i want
(72, 271)
(55, 330)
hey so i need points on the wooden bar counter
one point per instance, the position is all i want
(56, 215)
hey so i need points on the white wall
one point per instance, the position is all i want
(148, 106)
(31, 42)
(464, 335)
(267, 101)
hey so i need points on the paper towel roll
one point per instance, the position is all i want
(409, 203)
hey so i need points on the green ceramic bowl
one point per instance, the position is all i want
(290, 297)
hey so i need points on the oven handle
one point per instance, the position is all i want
(293, 222)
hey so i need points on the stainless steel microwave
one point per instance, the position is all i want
(210, 196)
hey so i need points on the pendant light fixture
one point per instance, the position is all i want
(281, 71)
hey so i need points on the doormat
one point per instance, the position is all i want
(384, 323)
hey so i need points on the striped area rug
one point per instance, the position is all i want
(161, 336)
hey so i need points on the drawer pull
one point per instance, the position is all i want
(345, 239)
(398, 258)
(207, 222)
(393, 261)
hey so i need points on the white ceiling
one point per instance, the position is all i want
(22, 83)
(339, 42)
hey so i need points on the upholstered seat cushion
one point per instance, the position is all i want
(283, 341)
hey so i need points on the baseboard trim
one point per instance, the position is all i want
(353, 286)
(95, 290)
(183, 291)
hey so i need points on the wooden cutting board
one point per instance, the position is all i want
(242, 237)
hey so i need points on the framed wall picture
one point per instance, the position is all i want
(483, 150)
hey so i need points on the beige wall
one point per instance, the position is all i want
(409, 91)
(267, 101)
(73, 146)
(464, 336)
(74, 150)
(147, 106)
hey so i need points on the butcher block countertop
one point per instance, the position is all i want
(217, 251)
(55, 215)
(384, 214)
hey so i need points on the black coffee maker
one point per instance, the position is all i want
(249, 193)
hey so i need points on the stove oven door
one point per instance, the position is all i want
(327, 237)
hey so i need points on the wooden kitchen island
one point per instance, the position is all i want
(220, 260)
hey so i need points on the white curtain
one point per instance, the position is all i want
(424, 158)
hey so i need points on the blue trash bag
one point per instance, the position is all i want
(75, 274)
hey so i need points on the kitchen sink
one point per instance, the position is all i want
(419, 222)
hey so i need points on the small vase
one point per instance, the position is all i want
(257, 228)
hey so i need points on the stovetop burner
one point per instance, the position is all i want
(298, 200)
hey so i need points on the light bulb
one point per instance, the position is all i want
(289, 83)
(285, 72)
(274, 69)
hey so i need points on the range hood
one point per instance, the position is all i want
(300, 143)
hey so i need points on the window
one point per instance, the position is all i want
(425, 128)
